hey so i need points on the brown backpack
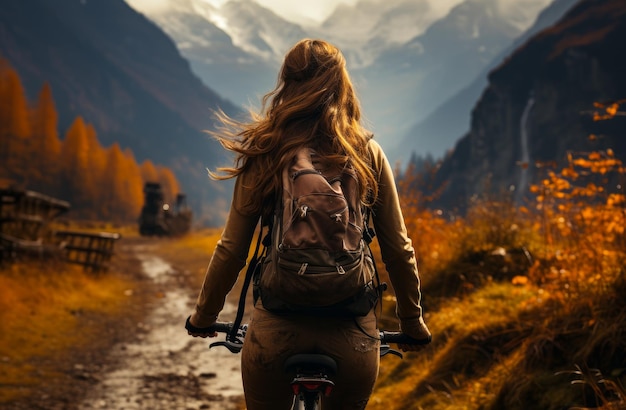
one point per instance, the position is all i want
(318, 261)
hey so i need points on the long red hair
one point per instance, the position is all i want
(313, 104)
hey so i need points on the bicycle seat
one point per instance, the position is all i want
(310, 361)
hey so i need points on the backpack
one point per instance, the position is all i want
(317, 260)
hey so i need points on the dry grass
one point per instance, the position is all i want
(511, 332)
(42, 309)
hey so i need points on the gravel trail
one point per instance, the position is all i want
(164, 368)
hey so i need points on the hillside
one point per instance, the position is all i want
(121, 73)
(538, 107)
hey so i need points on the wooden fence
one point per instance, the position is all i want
(25, 218)
(92, 250)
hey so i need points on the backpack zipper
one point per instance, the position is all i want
(303, 268)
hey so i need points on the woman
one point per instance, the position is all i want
(313, 105)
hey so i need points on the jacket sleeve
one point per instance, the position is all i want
(228, 259)
(396, 248)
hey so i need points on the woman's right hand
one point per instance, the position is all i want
(194, 331)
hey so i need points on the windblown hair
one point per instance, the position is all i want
(314, 105)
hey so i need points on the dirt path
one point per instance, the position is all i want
(164, 368)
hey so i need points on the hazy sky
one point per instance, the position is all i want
(297, 10)
(294, 10)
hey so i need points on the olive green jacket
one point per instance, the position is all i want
(396, 248)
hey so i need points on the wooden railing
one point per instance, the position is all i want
(92, 250)
(25, 218)
(26, 214)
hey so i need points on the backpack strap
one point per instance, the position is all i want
(368, 237)
(252, 267)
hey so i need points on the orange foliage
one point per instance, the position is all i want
(149, 172)
(46, 143)
(14, 125)
(607, 111)
(434, 238)
(582, 218)
(575, 228)
(168, 183)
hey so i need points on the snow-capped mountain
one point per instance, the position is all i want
(260, 31)
(368, 27)
(227, 46)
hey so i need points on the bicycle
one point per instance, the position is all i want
(312, 372)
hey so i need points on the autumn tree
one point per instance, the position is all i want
(14, 124)
(98, 182)
(169, 184)
(133, 188)
(77, 176)
(149, 171)
(45, 142)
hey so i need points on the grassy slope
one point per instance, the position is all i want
(46, 311)
(509, 334)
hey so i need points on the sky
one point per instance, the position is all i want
(299, 11)
(292, 10)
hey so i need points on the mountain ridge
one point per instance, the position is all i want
(448, 122)
(391, 103)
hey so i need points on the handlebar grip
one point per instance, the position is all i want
(401, 338)
(221, 327)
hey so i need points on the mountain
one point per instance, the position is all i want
(121, 73)
(365, 29)
(536, 108)
(405, 56)
(260, 31)
(438, 132)
(238, 48)
(408, 81)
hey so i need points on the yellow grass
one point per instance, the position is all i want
(41, 307)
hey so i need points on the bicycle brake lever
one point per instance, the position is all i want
(385, 349)
(234, 347)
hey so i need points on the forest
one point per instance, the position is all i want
(101, 183)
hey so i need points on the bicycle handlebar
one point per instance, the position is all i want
(401, 338)
(385, 336)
